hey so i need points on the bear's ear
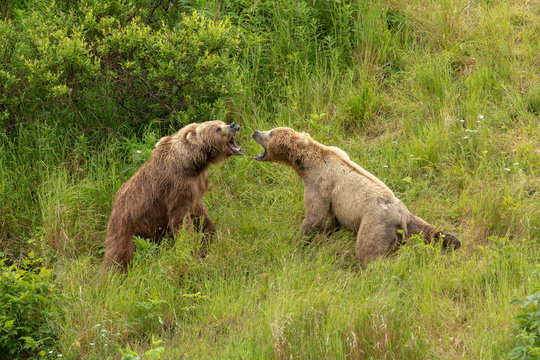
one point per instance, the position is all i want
(306, 134)
(191, 136)
(163, 141)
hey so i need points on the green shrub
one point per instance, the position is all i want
(59, 57)
(9, 81)
(169, 70)
(529, 323)
(154, 353)
(28, 310)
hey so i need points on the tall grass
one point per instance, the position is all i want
(439, 100)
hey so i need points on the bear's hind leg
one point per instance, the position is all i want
(374, 240)
(419, 226)
(449, 241)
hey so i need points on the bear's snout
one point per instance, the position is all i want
(234, 126)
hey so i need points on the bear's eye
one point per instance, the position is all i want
(271, 134)
(218, 130)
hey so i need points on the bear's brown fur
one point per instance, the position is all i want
(167, 191)
(354, 198)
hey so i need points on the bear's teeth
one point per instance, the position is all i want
(235, 148)
(260, 156)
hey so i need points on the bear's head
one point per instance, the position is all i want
(217, 138)
(206, 143)
(214, 139)
(287, 146)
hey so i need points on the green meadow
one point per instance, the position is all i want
(439, 99)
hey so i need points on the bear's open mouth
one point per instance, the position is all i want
(234, 148)
(257, 137)
(261, 156)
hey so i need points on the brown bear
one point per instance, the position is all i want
(167, 191)
(354, 198)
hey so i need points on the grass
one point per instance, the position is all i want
(436, 99)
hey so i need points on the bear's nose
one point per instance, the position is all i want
(234, 126)
(256, 132)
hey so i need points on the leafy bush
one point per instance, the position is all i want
(154, 353)
(529, 322)
(28, 309)
(54, 56)
(170, 70)
(144, 248)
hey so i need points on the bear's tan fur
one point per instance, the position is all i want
(167, 191)
(354, 198)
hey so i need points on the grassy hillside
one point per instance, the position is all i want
(439, 99)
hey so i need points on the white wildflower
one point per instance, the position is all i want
(139, 151)
(412, 155)
(394, 142)
(480, 117)
(515, 164)
(507, 169)
(478, 121)
(462, 120)
(92, 344)
(385, 166)
(465, 137)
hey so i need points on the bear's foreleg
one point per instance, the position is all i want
(332, 225)
(201, 219)
(317, 210)
(202, 222)
(179, 216)
(118, 251)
